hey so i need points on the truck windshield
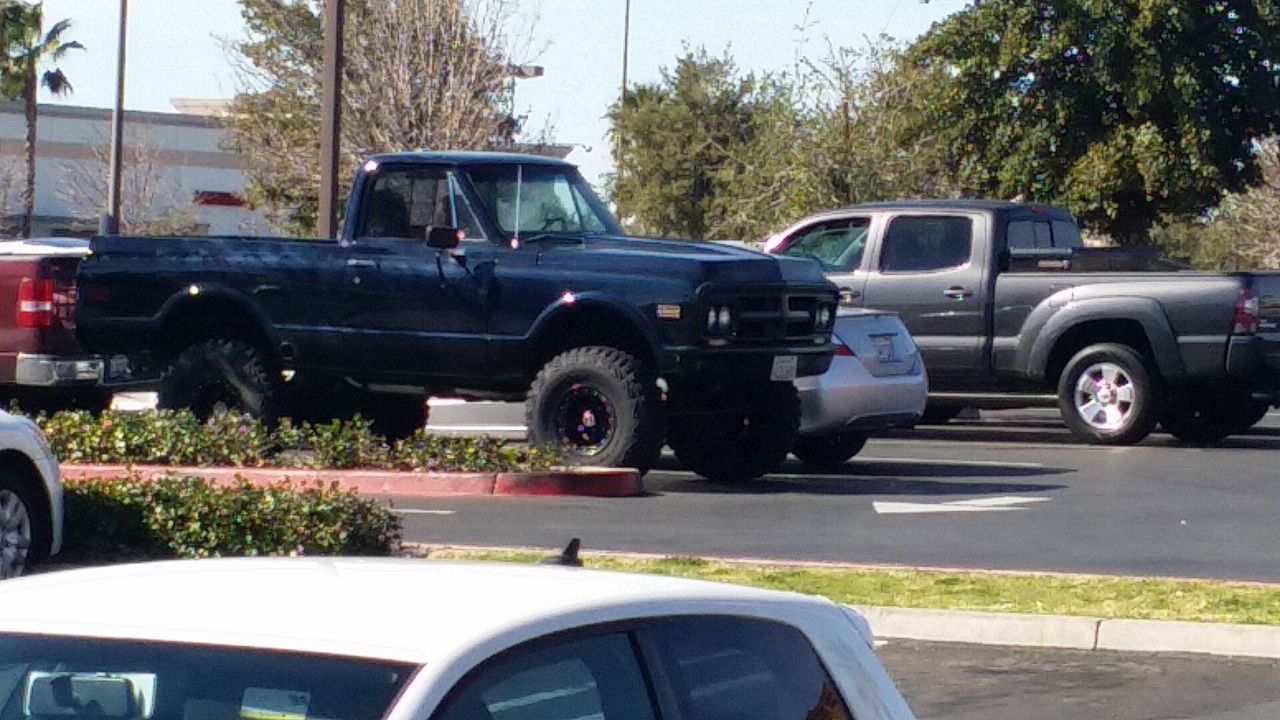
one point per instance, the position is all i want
(530, 199)
(74, 678)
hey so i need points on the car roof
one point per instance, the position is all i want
(958, 204)
(394, 609)
(471, 158)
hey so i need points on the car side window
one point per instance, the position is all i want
(837, 245)
(402, 203)
(594, 677)
(926, 243)
(1028, 234)
(740, 668)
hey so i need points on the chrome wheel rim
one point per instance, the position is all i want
(1105, 396)
(15, 534)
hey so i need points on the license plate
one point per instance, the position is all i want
(784, 368)
(884, 347)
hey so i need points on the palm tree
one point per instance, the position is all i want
(27, 48)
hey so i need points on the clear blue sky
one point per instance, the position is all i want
(176, 48)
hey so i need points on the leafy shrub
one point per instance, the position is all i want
(173, 438)
(189, 517)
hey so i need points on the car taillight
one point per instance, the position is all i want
(35, 303)
(843, 350)
(1245, 319)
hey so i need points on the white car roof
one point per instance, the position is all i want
(393, 609)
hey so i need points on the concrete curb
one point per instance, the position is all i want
(589, 482)
(1078, 633)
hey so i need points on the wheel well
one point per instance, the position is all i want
(584, 327)
(1121, 332)
(17, 463)
(203, 319)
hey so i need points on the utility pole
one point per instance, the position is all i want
(110, 222)
(331, 116)
(626, 44)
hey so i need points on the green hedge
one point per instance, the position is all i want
(188, 517)
(167, 437)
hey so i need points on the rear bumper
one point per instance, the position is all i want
(61, 371)
(848, 398)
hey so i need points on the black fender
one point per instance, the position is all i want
(1050, 321)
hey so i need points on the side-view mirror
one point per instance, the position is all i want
(442, 237)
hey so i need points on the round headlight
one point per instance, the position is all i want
(726, 318)
(711, 319)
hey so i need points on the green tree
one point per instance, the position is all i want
(27, 49)
(1125, 109)
(418, 74)
(679, 136)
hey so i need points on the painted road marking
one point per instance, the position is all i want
(478, 428)
(948, 461)
(1004, 503)
(416, 511)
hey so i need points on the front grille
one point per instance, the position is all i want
(774, 317)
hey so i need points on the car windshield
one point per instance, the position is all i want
(48, 678)
(526, 200)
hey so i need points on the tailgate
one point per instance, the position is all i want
(879, 340)
(1267, 288)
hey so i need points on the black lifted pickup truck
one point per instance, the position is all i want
(1009, 309)
(478, 275)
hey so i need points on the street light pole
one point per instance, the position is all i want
(110, 222)
(626, 44)
(331, 116)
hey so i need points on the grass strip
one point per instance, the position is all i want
(1039, 594)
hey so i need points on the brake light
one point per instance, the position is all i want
(35, 303)
(843, 350)
(1245, 319)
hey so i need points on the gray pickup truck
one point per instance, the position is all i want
(1010, 310)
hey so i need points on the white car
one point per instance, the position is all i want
(304, 638)
(877, 381)
(30, 497)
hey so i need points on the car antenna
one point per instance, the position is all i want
(568, 557)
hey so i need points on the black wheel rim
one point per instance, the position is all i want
(584, 420)
(215, 398)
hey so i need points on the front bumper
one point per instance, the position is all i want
(753, 363)
(848, 398)
(61, 371)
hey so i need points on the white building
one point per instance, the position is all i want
(185, 165)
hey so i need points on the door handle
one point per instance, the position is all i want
(358, 263)
(957, 293)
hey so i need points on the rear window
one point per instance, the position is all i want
(47, 678)
(1042, 234)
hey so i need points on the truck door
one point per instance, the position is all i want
(839, 246)
(932, 269)
(412, 312)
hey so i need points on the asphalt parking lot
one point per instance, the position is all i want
(1011, 491)
(972, 682)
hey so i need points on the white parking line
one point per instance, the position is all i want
(478, 428)
(948, 461)
(416, 511)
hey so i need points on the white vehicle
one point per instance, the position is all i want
(30, 497)
(313, 639)
(877, 381)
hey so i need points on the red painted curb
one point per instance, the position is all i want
(592, 482)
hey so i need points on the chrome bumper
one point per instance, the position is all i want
(56, 371)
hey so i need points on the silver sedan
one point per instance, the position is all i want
(877, 381)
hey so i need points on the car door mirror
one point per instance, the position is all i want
(443, 237)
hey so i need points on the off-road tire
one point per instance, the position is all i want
(828, 452)
(224, 371)
(745, 443)
(1207, 417)
(1141, 414)
(15, 488)
(940, 414)
(396, 417)
(634, 404)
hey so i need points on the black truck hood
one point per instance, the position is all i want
(709, 262)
